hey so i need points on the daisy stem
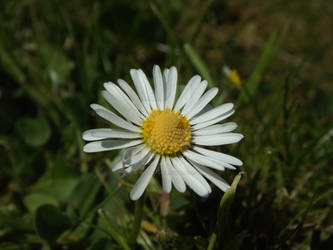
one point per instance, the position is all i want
(137, 219)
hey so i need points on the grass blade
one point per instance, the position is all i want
(113, 232)
(198, 63)
(266, 57)
(223, 216)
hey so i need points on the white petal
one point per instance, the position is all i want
(134, 155)
(149, 90)
(203, 101)
(216, 129)
(226, 70)
(213, 113)
(176, 179)
(142, 91)
(165, 81)
(87, 136)
(136, 166)
(118, 94)
(106, 145)
(188, 91)
(194, 97)
(193, 172)
(166, 179)
(144, 180)
(105, 133)
(158, 85)
(203, 160)
(118, 167)
(171, 87)
(120, 105)
(213, 177)
(133, 96)
(213, 121)
(192, 182)
(219, 139)
(113, 118)
(219, 156)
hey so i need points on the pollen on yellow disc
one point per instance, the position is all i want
(166, 132)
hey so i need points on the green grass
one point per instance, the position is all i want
(54, 58)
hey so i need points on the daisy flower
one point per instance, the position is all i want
(233, 75)
(159, 131)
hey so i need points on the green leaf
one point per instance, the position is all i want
(35, 200)
(50, 222)
(178, 200)
(34, 131)
(85, 193)
(224, 223)
(58, 181)
(10, 221)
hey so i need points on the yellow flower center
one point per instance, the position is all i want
(166, 132)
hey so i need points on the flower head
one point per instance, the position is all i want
(233, 75)
(158, 131)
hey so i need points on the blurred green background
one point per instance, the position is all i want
(54, 57)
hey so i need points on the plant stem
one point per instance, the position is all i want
(212, 241)
(137, 219)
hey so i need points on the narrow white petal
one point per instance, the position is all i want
(203, 160)
(106, 145)
(149, 90)
(213, 121)
(203, 101)
(166, 179)
(188, 91)
(176, 179)
(216, 129)
(192, 182)
(134, 155)
(115, 133)
(118, 167)
(193, 172)
(87, 136)
(218, 156)
(144, 180)
(171, 87)
(213, 113)
(194, 97)
(158, 85)
(113, 118)
(219, 139)
(136, 166)
(133, 96)
(117, 93)
(213, 177)
(105, 133)
(120, 105)
(165, 81)
(142, 91)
